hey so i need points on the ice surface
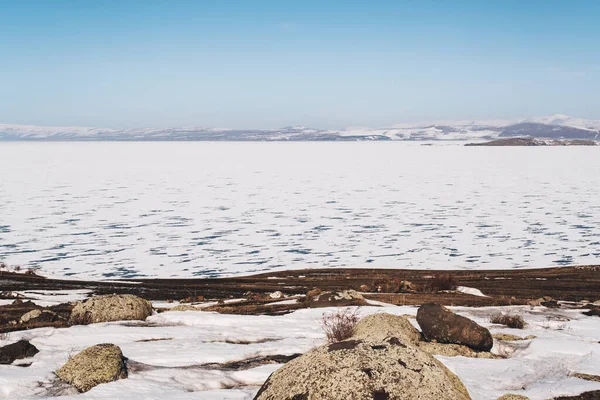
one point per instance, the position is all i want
(108, 210)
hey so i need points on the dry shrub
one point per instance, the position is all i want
(512, 321)
(443, 282)
(339, 325)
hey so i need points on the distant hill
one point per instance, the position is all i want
(557, 126)
(537, 130)
(536, 142)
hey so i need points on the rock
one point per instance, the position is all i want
(364, 288)
(540, 301)
(391, 286)
(409, 286)
(593, 312)
(550, 304)
(596, 303)
(511, 338)
(184, 307)
(251, 296)
(39, 316)
(191, 299)
(113, 307)
(535, 303)
(593, 395)
(380, 326)
(347, 295)
(513, 397)
(276, 295)
(17, 351)
(357, 369)
(98, 364)
(33, 314)
(442, 325)
(453, 350)
(587, 377)
(335, 299)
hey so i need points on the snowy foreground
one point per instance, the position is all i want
(567, 342)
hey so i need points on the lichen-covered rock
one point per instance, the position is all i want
(98, 364)
(380, 326)
(356, 370)
(33, 314)
(113, 307)
(442, 325)
(184, 307)
(17, 351)
(39, 316)
(511, 338)
(513, 397)
(453, 350)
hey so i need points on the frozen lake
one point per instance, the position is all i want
(180, 209)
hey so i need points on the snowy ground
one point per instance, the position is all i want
(106, 210)
(567, 342)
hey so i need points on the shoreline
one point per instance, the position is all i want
(574, 283)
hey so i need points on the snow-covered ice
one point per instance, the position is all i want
(108, 210)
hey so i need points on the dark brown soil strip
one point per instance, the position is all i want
(562, 283)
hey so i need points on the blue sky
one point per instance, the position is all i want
(267, 64)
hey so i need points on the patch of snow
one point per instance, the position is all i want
(471, 291)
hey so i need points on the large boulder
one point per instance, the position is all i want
(356, 370)
(98, 364)
(442, 325)
(113, 307)
(380, 326)
(17, 351)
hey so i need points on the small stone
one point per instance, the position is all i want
(510, 338)
(30, 315)
(276, 295)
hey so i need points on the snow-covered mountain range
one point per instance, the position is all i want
(556, 126)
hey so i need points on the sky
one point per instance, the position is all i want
(269, 64)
